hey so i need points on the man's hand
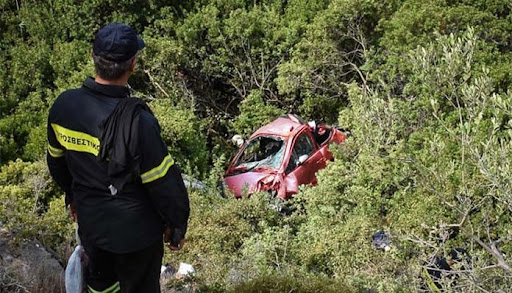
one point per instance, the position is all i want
(178, 247)
(171, 241)
(72, 212)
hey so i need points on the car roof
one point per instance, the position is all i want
(282, 126)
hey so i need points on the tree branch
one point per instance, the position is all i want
(494, 251)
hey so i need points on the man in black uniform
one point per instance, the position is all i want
(122, 219)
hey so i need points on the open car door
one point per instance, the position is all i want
(305, 160)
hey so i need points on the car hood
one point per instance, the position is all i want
(246, 181)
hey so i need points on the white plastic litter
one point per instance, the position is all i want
(74, 275)
(167, 272)
(185, 269)
(237, 140)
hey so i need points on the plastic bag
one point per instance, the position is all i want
(75, 271)
(186, 269)
(74, 275)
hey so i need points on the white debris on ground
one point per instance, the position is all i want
(192, 182)
(174, 280)
(169, 272)
(184, 270)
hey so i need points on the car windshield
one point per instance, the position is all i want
(261, 151)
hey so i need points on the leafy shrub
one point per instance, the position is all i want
(415, 167)
(217, 231)
(254, 113)
(290, 283)
(29, 208)
(416, 23)
(183, 134)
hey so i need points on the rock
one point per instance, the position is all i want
(31, 266)
(35, 253)
(4, 251)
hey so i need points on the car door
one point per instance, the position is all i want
(304, 172)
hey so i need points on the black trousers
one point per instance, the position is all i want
(135, 272)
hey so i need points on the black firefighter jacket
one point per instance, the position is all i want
(134, 217)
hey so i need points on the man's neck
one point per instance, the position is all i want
(121, 81)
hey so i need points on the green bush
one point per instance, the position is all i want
(419, 168)
(416, 23)
(254, 113)
(183, 134)
(290, 283)
(30, 208)
(218, 229)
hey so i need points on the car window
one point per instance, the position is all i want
(262, 151)
(302, 146)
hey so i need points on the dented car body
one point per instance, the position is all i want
(281, 156)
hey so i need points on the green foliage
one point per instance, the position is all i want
(254, 113)
(217, 231)
(183, 134)
(29, 114)
(30, 209)
(329, 57)
(7, 147)
(290, 283)
(225, 52)
(416, 23)
(415, 167)
(25, 74)
(36, 143)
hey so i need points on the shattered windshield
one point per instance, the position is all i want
(262, 151)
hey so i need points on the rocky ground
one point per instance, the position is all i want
(28, 267)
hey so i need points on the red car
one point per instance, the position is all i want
(280, 156)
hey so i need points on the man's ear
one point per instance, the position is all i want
(133, 64)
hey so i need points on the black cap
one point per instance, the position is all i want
(117, 42)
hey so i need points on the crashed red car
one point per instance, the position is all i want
(280, 156)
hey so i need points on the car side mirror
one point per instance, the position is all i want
(302, 159)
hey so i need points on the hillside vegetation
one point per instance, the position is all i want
(423, 86)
